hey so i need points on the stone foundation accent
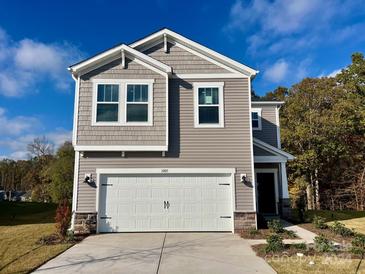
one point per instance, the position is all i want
(284, 208)
(85, 223)
(244, 221)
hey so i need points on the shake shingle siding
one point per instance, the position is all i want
(122, 135)
(228, 147)
(183, 61)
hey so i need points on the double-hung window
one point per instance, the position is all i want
(123, 102)
(107, 104)
(208, 107)
(137, 103)
(256, 118)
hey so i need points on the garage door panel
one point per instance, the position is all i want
(136, 203)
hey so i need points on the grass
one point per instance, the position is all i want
(21, 225)
(264, 233)
(322, 264)
(358, 224)
(328, 215)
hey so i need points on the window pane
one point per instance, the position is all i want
(254, 115)
(208, 96)
(115, 93)
(137, 112)
(107, 113)
(208, 115)
(108, 93)
(101, 93)
(255, 123)
(137, 93)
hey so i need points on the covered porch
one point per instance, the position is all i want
(272, 196)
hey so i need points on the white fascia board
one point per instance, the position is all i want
(268, 103)
(120, 148)
(272, 149)
(164, 170)
(207, 76)
(200, 48)
(101, 58)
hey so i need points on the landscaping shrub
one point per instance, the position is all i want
(63, 218)
(358, 244)
(322, 244)
(341, 229)
(301, 246)
(275, 226)
(290, 233)
(274, 243)
(253, 232)
(319, 222)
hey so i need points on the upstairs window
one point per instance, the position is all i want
(256, 118)
(137, 103)
(107, 105)
(208, 105)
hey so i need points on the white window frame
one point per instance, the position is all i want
(122, 104)
(149, 102)
(259, 111)
(220, 86)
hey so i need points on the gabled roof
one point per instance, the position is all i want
(272, 149)
(194, 46)
(114, 53)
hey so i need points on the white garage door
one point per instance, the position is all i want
(165, 203)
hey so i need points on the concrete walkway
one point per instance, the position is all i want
(159, 253)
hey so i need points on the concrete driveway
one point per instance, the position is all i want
(159, 253)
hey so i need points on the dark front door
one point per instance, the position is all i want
(266, 192)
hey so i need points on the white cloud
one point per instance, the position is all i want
(26, 63)
(18, 146)
(286, 26)
(334, 73)
(277, 72)
(16, 125)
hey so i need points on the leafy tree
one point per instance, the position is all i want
(60, 173)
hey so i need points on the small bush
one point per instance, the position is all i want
(319, 222)
(275, 226)
(341, 229)
(63, 218)
(274, 243)
(322, 244)
(49, 239)
(253, 232)
(290, 233)
(301, 246)
(358, 244)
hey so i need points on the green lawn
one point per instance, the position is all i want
(21, 225)
(328, 215)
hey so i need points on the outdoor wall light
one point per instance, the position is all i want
(88, 179)
(243, 177)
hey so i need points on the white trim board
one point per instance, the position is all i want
(270, 159)
(116, 52)
(275, 171)
(120, 148)
(268, 103)
(164, 170)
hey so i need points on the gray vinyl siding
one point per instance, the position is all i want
(183, 61)
(261, 152)
(122, 135)
(228, 147)
(268, 133)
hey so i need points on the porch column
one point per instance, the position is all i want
(284, 181)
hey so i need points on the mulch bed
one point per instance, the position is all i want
(263, 234)
(53, 239)
(327, 233)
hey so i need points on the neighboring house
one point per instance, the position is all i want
(167, 139)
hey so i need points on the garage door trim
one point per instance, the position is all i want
(165, 171)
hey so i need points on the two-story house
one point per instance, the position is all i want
(167, 139)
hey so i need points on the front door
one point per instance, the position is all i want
(266, 192)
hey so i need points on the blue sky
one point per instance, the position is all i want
(286, 40)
